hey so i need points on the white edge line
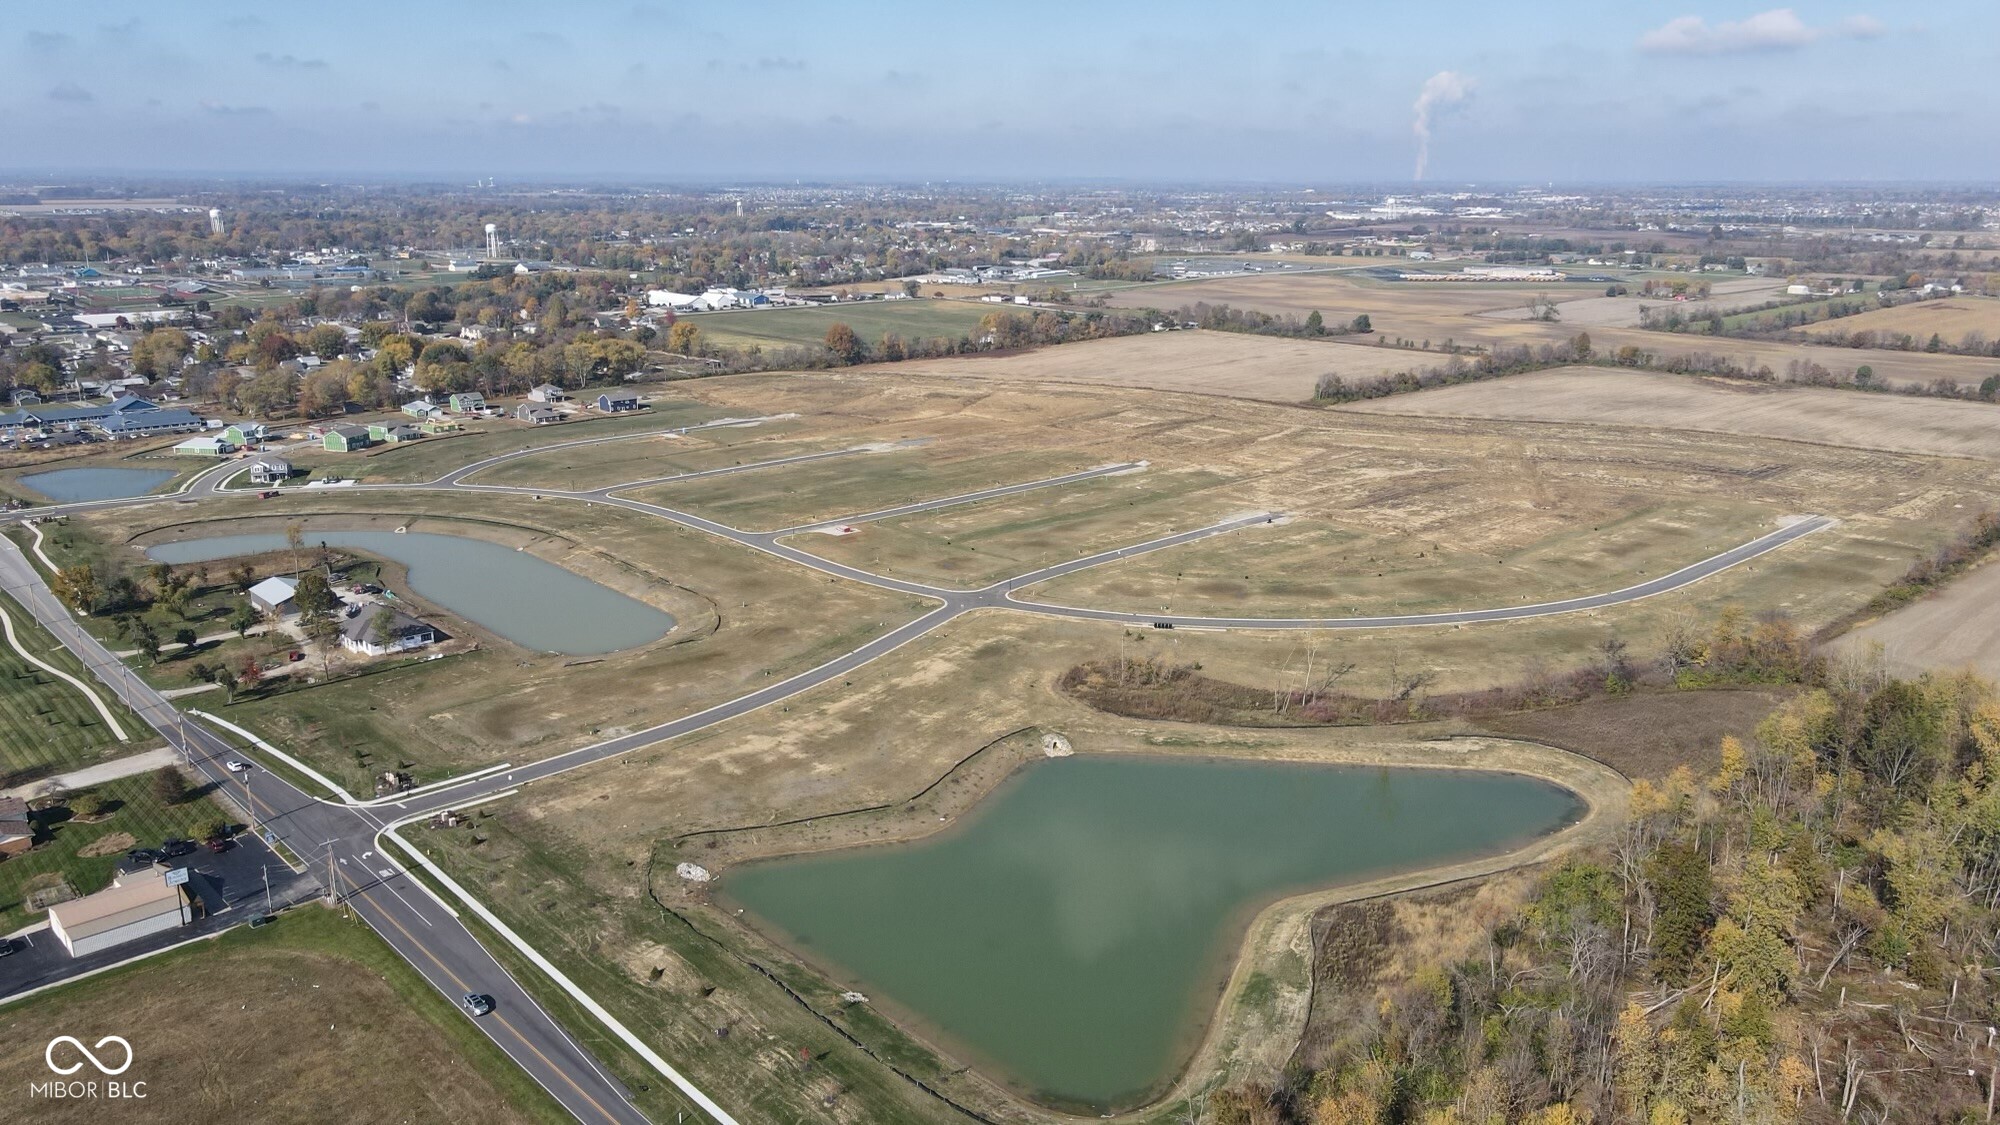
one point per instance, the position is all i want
(7, 622)
(6, 1000)
(259, 743)
(611, 1022)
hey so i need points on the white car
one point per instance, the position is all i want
(235, 766)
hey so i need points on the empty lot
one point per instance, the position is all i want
(1678, 402)
(1956, 627)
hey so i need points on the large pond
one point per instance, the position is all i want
(1072, 933)
(530, 601)
(69, 486)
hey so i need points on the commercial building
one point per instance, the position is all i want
(136, 905)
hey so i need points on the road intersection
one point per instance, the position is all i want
(345, 838)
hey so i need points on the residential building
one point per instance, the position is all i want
(275, 596)
(207, 445)
(245, 434)
(147, 423)
(468, 402)
(392, 433)
(137, 905)
(537, 414)
(270, 470)
(17, 831)
(548, 392)
(381, 629)
(617, 402)
(346, 438)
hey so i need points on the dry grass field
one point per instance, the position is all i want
(1210, 363)
(1599, 311)
(312, 1019)
(1600, 396)
(1953, 628)
(1951, 318)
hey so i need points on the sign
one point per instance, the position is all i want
(177, 877)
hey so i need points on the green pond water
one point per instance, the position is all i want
(68, 486)
(1071, 935)
(528, 600)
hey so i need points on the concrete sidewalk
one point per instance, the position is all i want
(144, 762)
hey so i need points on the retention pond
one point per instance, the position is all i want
(1072, 933)
(530, 601)
(70, 486)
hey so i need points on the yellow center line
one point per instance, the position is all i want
(561, 1072)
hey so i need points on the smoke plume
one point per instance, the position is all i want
(1441, 91)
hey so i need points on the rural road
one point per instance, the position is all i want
(434, 940)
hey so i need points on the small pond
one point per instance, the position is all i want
(70, 486)
(528, 600)
(1072, 932)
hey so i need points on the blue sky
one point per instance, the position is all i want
(1607, 90)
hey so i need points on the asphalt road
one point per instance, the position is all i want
(341, 838)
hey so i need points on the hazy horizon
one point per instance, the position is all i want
(1284, 93)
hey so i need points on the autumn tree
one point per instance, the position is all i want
(845, 346)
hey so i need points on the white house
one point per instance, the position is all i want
(548, 392)
(270, 470)
(136, 905)
(363, 633)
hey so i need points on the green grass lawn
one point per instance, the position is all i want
(871, 320)
(132, 810)
(46, 725)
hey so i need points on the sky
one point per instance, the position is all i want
(1568, 91)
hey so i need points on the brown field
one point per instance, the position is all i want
(1623, 312)
(1953, 628)
(313, 1019)
(1210, 363)
(1435, 314)
(1951, 318)
(1588, 395)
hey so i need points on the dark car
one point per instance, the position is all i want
(218, 844)
(262, 920)
(267, 494)
(476, 1004)
(144, 855)
(174, 849)
(8, 947)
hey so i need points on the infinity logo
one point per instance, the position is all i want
(49, 1055)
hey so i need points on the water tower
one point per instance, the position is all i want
(215, 221)
(492, 240)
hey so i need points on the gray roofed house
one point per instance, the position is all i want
(361, 633)
(537, 413)
(17, 832)
(145, 423)
(270, 470)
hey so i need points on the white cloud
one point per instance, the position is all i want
(1779, 29)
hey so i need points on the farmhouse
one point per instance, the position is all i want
(274, 596)
(136, 905)
(270, 470)
(548, 392)
(346, 439)
(537, 414)
(616, 402)
(468, 402)
(379, 629)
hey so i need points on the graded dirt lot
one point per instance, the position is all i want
(310, 1019)
(1953, 628)
(1951, 318)
(1589, 395)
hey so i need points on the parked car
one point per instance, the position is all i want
(176, 848)
(217, 843)
(267, 494)
(476, 1004)
(8, 947)
(262, 920)
(144, 855)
